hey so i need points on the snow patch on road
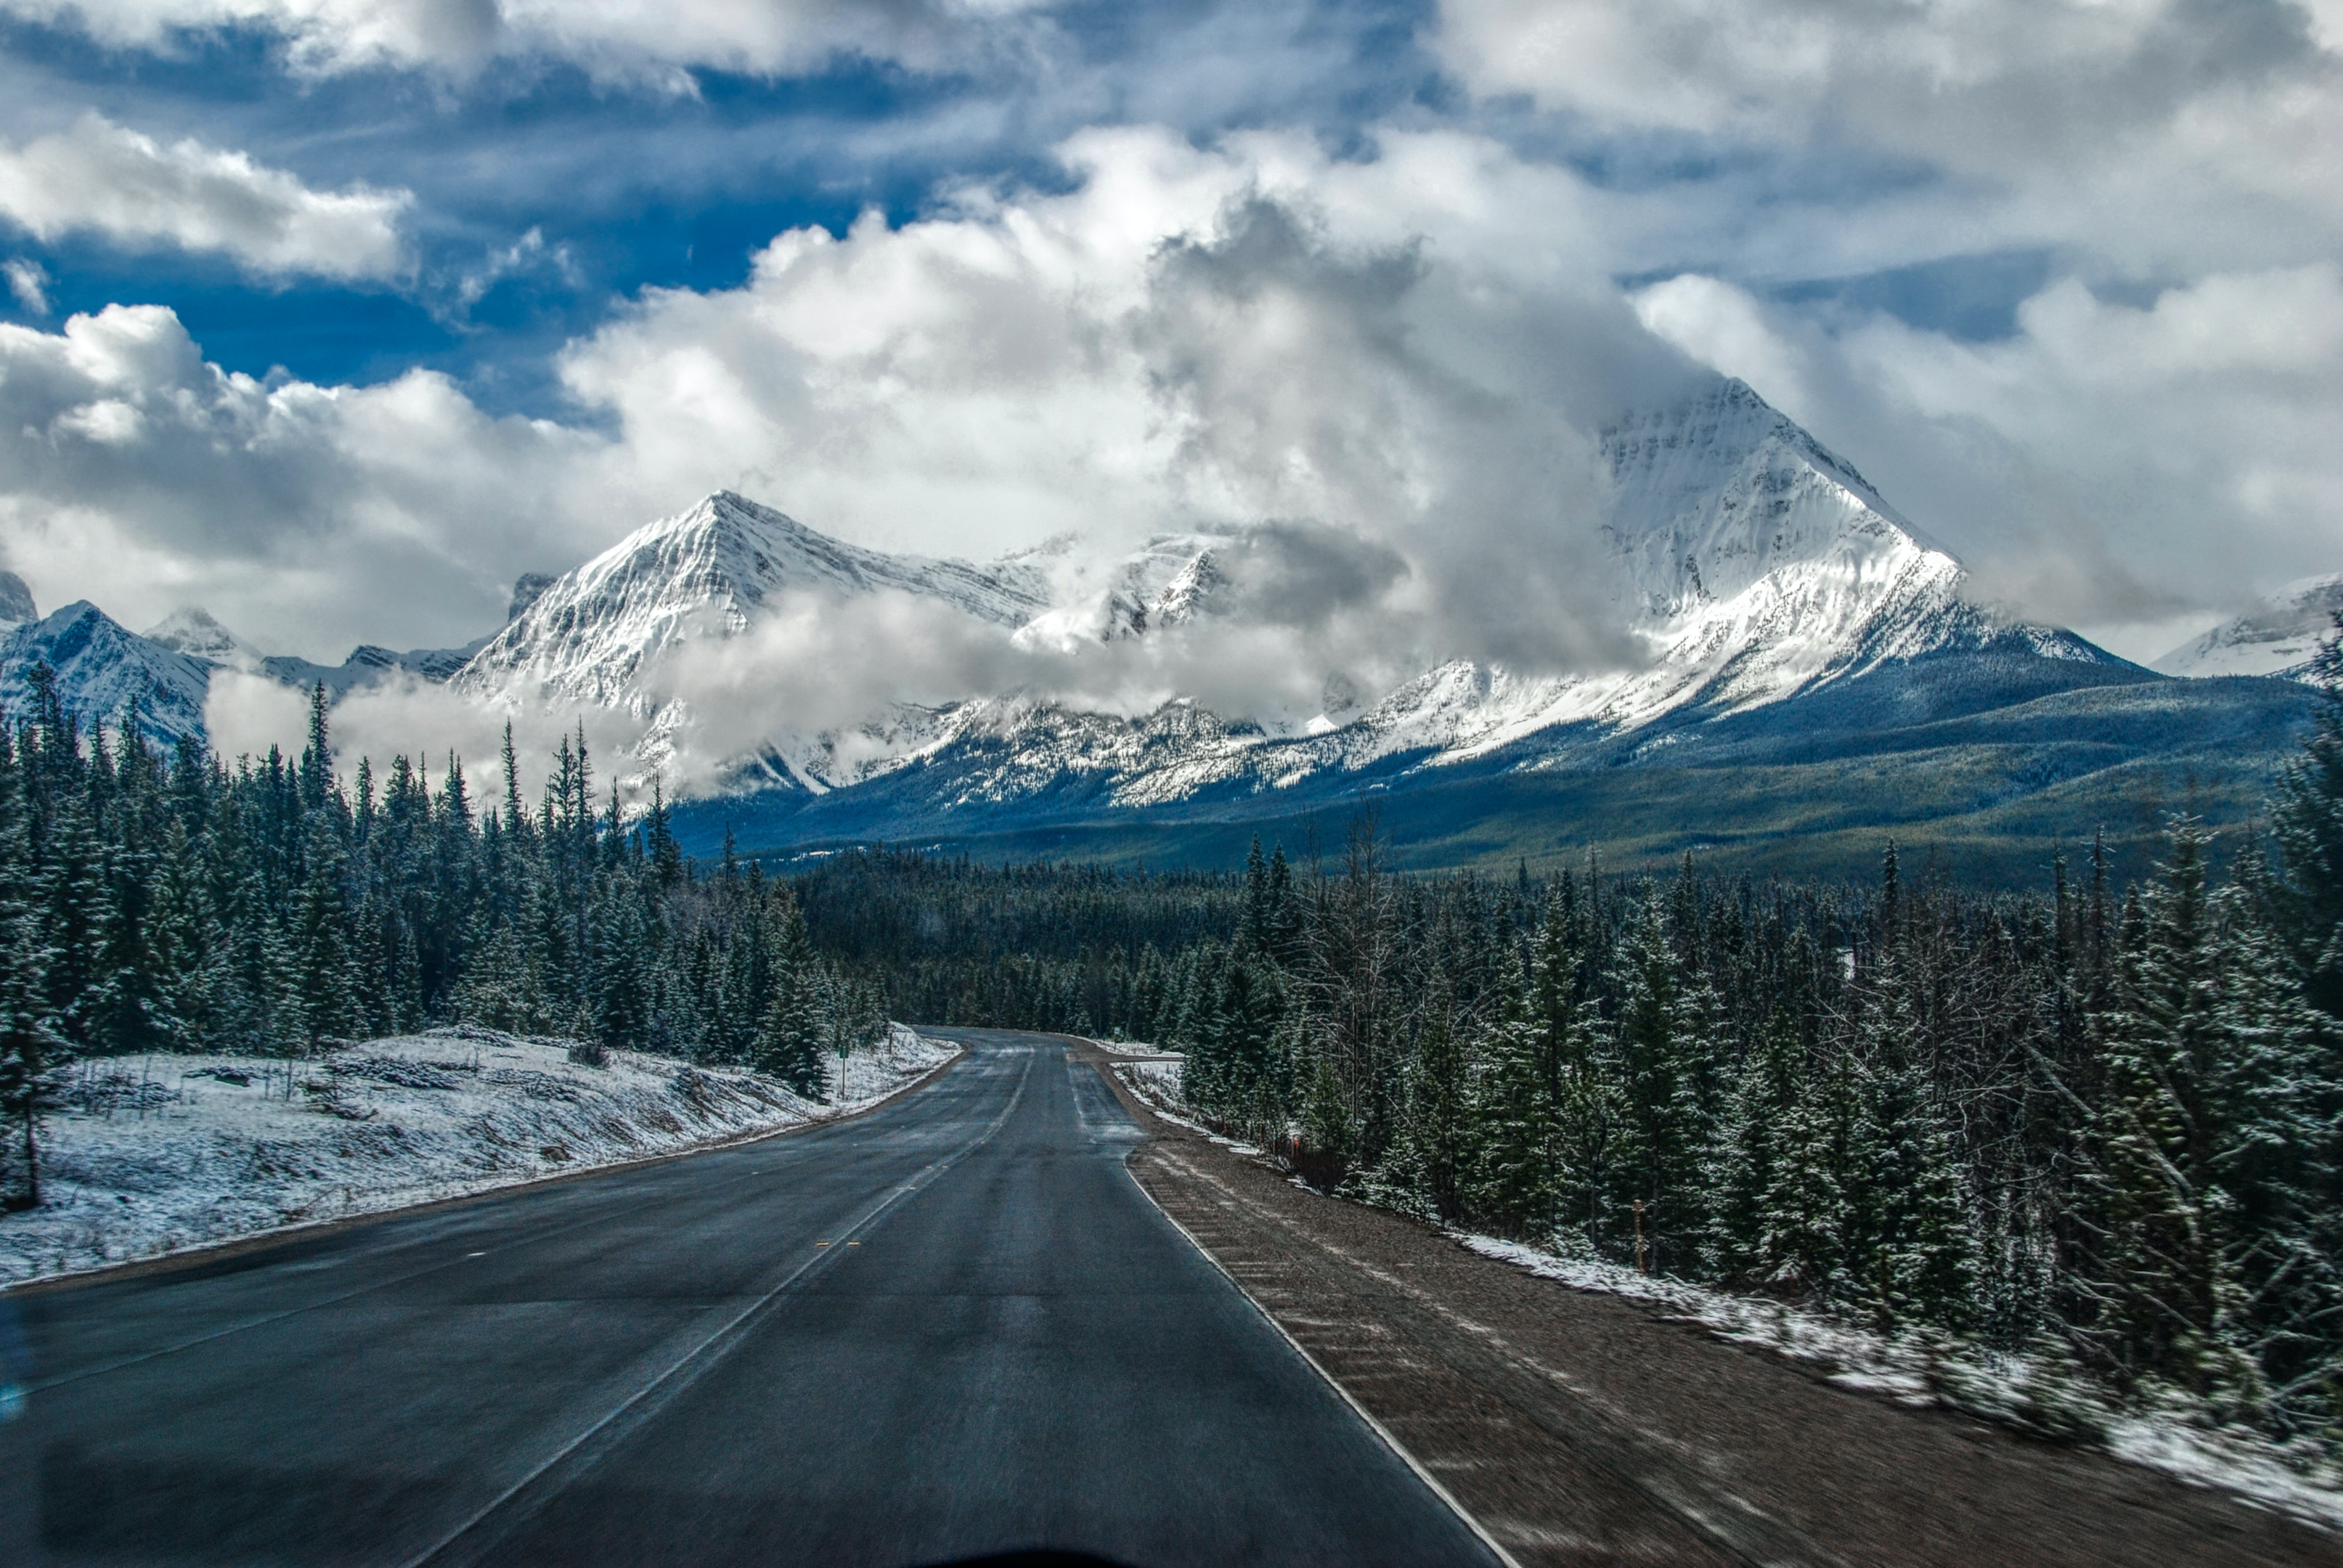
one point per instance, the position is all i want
(2034, 1391)
(152, 1155)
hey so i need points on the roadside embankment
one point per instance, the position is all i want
(146, 1156)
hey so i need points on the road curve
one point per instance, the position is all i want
(950, 1327)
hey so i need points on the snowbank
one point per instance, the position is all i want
(2032, 1392)
(1154, 1078)
(1152, 1074)
(150, 1155)
(1136, 1048)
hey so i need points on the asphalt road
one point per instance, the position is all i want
(951, 1328)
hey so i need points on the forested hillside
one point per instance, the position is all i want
(154, 903)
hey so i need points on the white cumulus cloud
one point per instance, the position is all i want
(137, 474)
(97, 176)
(2145, 135)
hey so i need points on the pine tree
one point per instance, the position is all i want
(1438, 1122)
(28, 1040)
(76, 909)
(789, 1041)
(2306, 823)
(1667, 1055)
(622, 964)
(320, 937)
(1749, 1166)
(666, 855)
(1329, 1121)
(515, 814)
(2165, 1268)
(317, 765)
(27, 1044)
(1915, 1251)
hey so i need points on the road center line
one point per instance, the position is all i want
(714, 1347)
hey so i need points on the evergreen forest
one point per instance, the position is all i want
(153, 902)
(2094, 1122)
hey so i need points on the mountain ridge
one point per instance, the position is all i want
(2279, 636)
(1787, 615)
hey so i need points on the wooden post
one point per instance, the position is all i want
(1639, 1238)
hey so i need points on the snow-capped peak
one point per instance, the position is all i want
(2279, 636)
(1166, 581)
(1751, 561)
(1710, 496)
(708, 570)
(102, 669)
(196, 633)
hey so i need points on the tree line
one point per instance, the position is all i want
(174, 903)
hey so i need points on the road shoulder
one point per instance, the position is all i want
(1579, 1428)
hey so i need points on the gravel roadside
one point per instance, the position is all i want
(1579, 1428)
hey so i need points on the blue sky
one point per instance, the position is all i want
(630, 184)
(2060, 277)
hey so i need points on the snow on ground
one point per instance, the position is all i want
(1137, 1049)
(150, 1155)
(2033, 1391)
(868, 1076)
(1155, 1080)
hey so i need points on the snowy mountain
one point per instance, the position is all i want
(101, 665)
(102, 668)
(1784, 609)
(1754, 566)
(198, 634)
(706, 572)
(2279, 637)
(369, 664)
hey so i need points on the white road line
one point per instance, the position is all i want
(821, 1254)
(1479, 1532)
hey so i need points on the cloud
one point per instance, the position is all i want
(1187, 339)
(618, 38)
(133, 473)
(29, 282)
(1376, 380)
(100, 178)
(1372, 389)
(2166, 135)
(430, 725)
(527, 254)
